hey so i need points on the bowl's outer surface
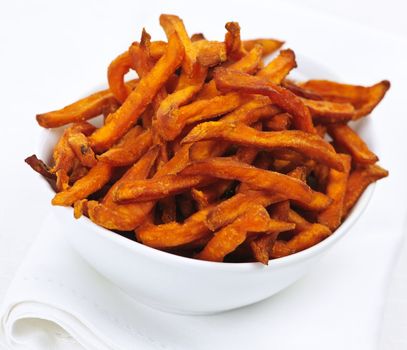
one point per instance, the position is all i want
(182, 285)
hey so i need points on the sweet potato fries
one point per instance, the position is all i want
(213, 153)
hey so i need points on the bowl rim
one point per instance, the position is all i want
(167, 257)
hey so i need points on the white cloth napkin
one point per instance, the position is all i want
(57, 301)
(394, 327)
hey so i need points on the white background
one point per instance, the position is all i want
(43, 34)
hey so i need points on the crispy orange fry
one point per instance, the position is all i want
(336, 189)
(80, 146)
(234, 46)
(64, 156)
(250, 62)
(139, 53)
(358, 181)
(81, 110)
(280, 210)
(115, 76)
(261, 247)
(300, 90)
(125, 153)
(329, 112)
(210, 53)
(225, 241)
(227, 80)
(269, 45)
(310, 236)
(40, 167)
(344, 136)
(121, 216)
(278, 122)
(125, 117)
(94, 180)
(175, 234)
(197, 37)
(198, 111)
(364, 99)
(156, 188)
(279, 68)
(300, 223)
(252, 111)
(310, 145)
(173, 24)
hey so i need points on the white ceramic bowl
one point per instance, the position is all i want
(182, 285)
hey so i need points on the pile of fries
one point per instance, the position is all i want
(212, 153)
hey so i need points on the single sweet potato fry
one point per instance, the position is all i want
(336, 189)
(156, 188)
(126, 116)
(132, 146)
(173, 24)
(210, 53)
(280, 210)
(250, 62)
(115, 76)
(81, 110)
(252, 111)
(197, 37)
(307, 238)
(300, 223)
(300, 90)
(234, 46)
(175, 234)
(269, 45)
(330, 112)
(64, 156)
(261, 247)
(310, 145)
(364, 99)
(358, 181)
(40, 167)
(206, 149)
(122, 217)
(94, 180)
(80, 146)
(279, 67)
(228, 80)
(344, 136)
